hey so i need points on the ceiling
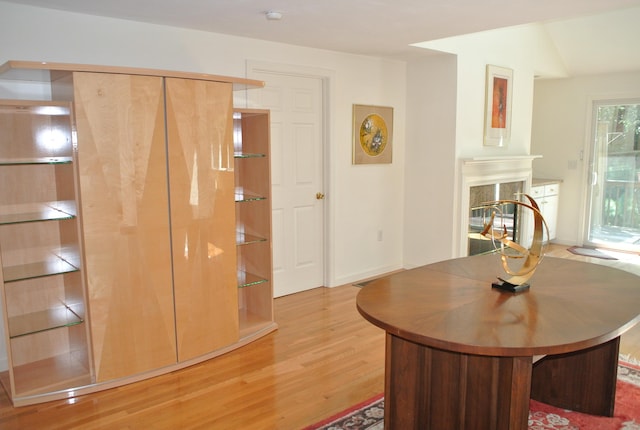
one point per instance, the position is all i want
(386, 28)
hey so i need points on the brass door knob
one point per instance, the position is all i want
(319, 196)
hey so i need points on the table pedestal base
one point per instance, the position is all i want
(428, 388)
(582, 381)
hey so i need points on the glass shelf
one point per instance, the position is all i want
(33, 212)
(54, 265)
(248, 155)
(243, 238)
(242, 195)
(246, 279)
(44, 108)
(49, 319)
(38, 160)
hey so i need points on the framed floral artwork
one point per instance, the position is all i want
(497, 116)
(372, 134)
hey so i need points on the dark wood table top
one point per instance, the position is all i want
(450, 305)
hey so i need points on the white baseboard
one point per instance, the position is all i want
(381, 271)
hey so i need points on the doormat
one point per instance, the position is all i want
(590, 252)
(369, 415)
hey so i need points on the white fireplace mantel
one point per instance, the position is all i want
(481, 166)
(485, 171)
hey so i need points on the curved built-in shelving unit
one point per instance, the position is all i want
(82, 207)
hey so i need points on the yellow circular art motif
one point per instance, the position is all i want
(373, 135)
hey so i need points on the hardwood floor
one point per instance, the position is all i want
(323, 358)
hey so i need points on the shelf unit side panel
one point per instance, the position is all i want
(255, 172)
(199, 124)
(39, 346)
(67, 370)
(28, 243)
(34, 130)
(35, 295)
(256, 305)
(253, 217)
(122, 177)
(23, 184)
(6, 375)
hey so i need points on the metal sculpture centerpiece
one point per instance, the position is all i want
(518, 261)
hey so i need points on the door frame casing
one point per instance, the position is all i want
(587, 167)
(327, 77)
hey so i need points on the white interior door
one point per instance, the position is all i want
(296, 105)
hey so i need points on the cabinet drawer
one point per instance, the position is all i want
(537, 192)
(551, 190)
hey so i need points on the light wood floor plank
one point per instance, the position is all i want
(323, 358)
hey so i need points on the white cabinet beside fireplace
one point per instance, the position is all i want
(546, 193)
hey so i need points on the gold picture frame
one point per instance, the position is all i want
(372, 134)
(497, 115)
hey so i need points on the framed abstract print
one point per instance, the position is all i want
(497, 116)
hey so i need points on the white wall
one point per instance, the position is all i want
(561, 133)
(430, 159)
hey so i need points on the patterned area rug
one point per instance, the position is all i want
(369, 415)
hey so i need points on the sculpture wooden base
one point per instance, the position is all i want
(512, 288)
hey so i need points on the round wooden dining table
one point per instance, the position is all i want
(463, 355)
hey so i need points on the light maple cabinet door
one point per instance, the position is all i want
(123, 185)
(201, 183)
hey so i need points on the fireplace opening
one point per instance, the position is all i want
(511, 217)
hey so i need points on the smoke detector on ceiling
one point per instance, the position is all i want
(273, 15)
